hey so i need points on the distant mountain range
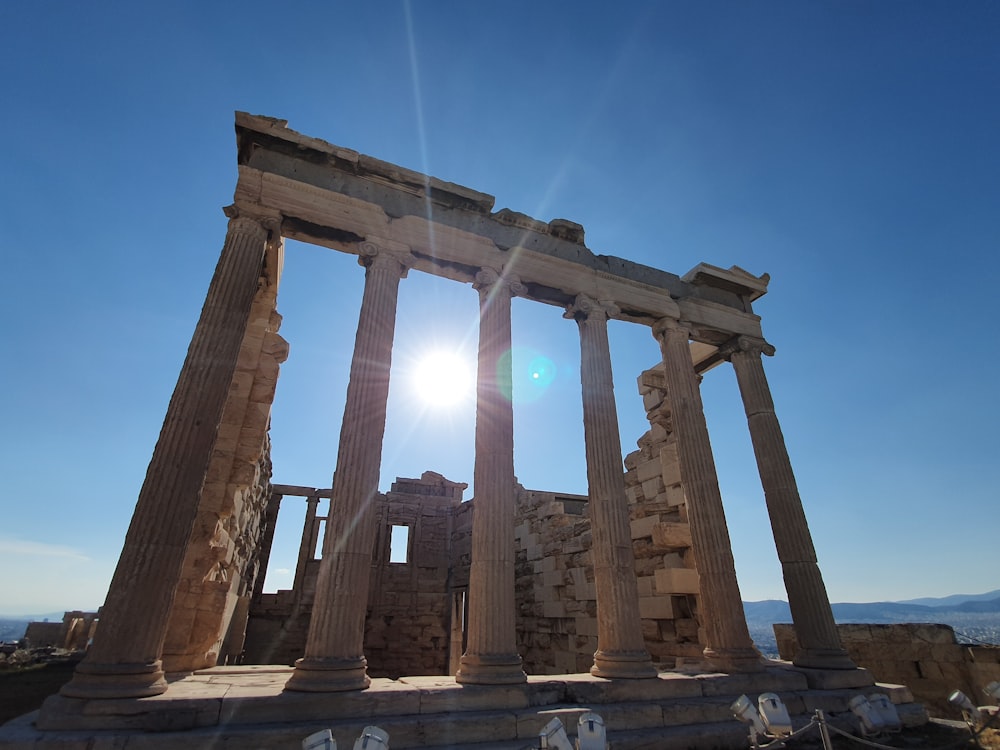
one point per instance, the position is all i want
(974, 618)
(916, 610)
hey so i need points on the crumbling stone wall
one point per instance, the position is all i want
(412, 626)
(661, 536)
(924, 657)
(408, 628)
(554, 582)
(73, 633)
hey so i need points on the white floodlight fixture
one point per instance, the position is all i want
(993, 690)
(744, 710)
(775, 715)
(961, 700)
(553, 736)
(881, 704)
(321, 740)
(869, 718)
(590, 732)
(372, 738)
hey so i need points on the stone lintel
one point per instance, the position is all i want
(297, 490)
(336, 198)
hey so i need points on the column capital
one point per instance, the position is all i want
(667, 325)
(373, 255)
(491, 280)
(585, 307)
(241, 218)
(748, 344)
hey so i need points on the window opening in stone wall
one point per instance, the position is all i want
(399, 544)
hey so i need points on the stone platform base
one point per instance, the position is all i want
(245, 708)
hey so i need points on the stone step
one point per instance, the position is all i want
(230, 708)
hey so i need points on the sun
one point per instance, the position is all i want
(442, 378)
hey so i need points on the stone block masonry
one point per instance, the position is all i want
(924, 657)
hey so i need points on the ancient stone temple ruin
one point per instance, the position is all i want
(508, 609)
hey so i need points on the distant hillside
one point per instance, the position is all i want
(954, 599)
(974, 619)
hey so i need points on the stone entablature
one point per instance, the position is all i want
(332, 196)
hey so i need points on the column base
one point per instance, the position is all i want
(735, 659)
(823, 658)
(490, 669)
(329, 675)
(95, 680)
(626, 665)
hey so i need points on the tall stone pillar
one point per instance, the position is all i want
(819, 642)
(307, 547)
(491, 656)
(729, 646)
(621, 651)
(270, 522)
(334, 657)
(124, 660)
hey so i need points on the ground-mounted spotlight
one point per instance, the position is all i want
(869, 718)
(774, 714)
(553, 735)
(744, 710)
(590, 733)
(993, 690)
(321, 740)
(961, 700)
(881, 704)
(372, 738)
(970, 711)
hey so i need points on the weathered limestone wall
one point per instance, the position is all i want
(661, 536)
(408, 628)
(44, 634)
(73, 633)
(411, 624)
(222, 560)
(556, 597)
(924, 657)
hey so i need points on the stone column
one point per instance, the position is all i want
(307, 547)
(124, 660)
(491, 655)
(729, 646)
(267, 541)
(819, 642)
(334, 658)
(621, 651)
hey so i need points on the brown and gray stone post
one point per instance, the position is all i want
(819, 642)
(491, 656)
(729, 645)
(124, 660)
(621, 651)
(307, 546)
(334, 657)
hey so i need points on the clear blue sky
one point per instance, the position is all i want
(849, 149)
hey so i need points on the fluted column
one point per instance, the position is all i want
(621, 651)
(729, 645)
(124, 660)
(491, 655)
(819, 642)
(307, 546)
(334, 658)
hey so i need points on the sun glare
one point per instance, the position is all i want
(442, 379)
